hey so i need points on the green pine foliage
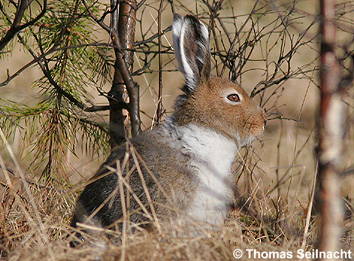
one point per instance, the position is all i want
(65, 38)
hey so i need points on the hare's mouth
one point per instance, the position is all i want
(254, 131)
(259, 130)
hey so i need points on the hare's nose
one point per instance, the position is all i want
(264, 116)
(262, 111)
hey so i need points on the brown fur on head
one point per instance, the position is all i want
(211, 102)
(209, 107)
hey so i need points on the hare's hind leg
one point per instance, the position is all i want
(99, 204)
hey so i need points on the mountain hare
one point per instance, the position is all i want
(179, 171)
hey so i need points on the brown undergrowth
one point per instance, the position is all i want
(34, 224)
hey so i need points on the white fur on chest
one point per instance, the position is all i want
(212, 156)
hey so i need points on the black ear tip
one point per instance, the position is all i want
(192, 18)
(176, 17)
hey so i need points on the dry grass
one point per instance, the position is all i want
(267, 221)
(275, 181)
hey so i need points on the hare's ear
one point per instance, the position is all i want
(191, 44)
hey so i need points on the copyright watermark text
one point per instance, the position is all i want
(299, 254)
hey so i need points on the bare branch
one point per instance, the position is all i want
(125, 19)
(159, 110)
(16, 27)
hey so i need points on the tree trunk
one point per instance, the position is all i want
(331, 133)
(123, 22)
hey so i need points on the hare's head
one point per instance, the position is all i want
(212, 102)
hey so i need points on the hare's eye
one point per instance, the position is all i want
(233, 97)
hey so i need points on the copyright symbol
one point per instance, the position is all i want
(237, 253)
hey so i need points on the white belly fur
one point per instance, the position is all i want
(212, 157)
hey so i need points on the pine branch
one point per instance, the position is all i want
(16, 26)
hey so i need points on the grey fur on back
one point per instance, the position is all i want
(153, 152)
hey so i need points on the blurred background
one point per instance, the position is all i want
(271, 48)
(288, 144)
